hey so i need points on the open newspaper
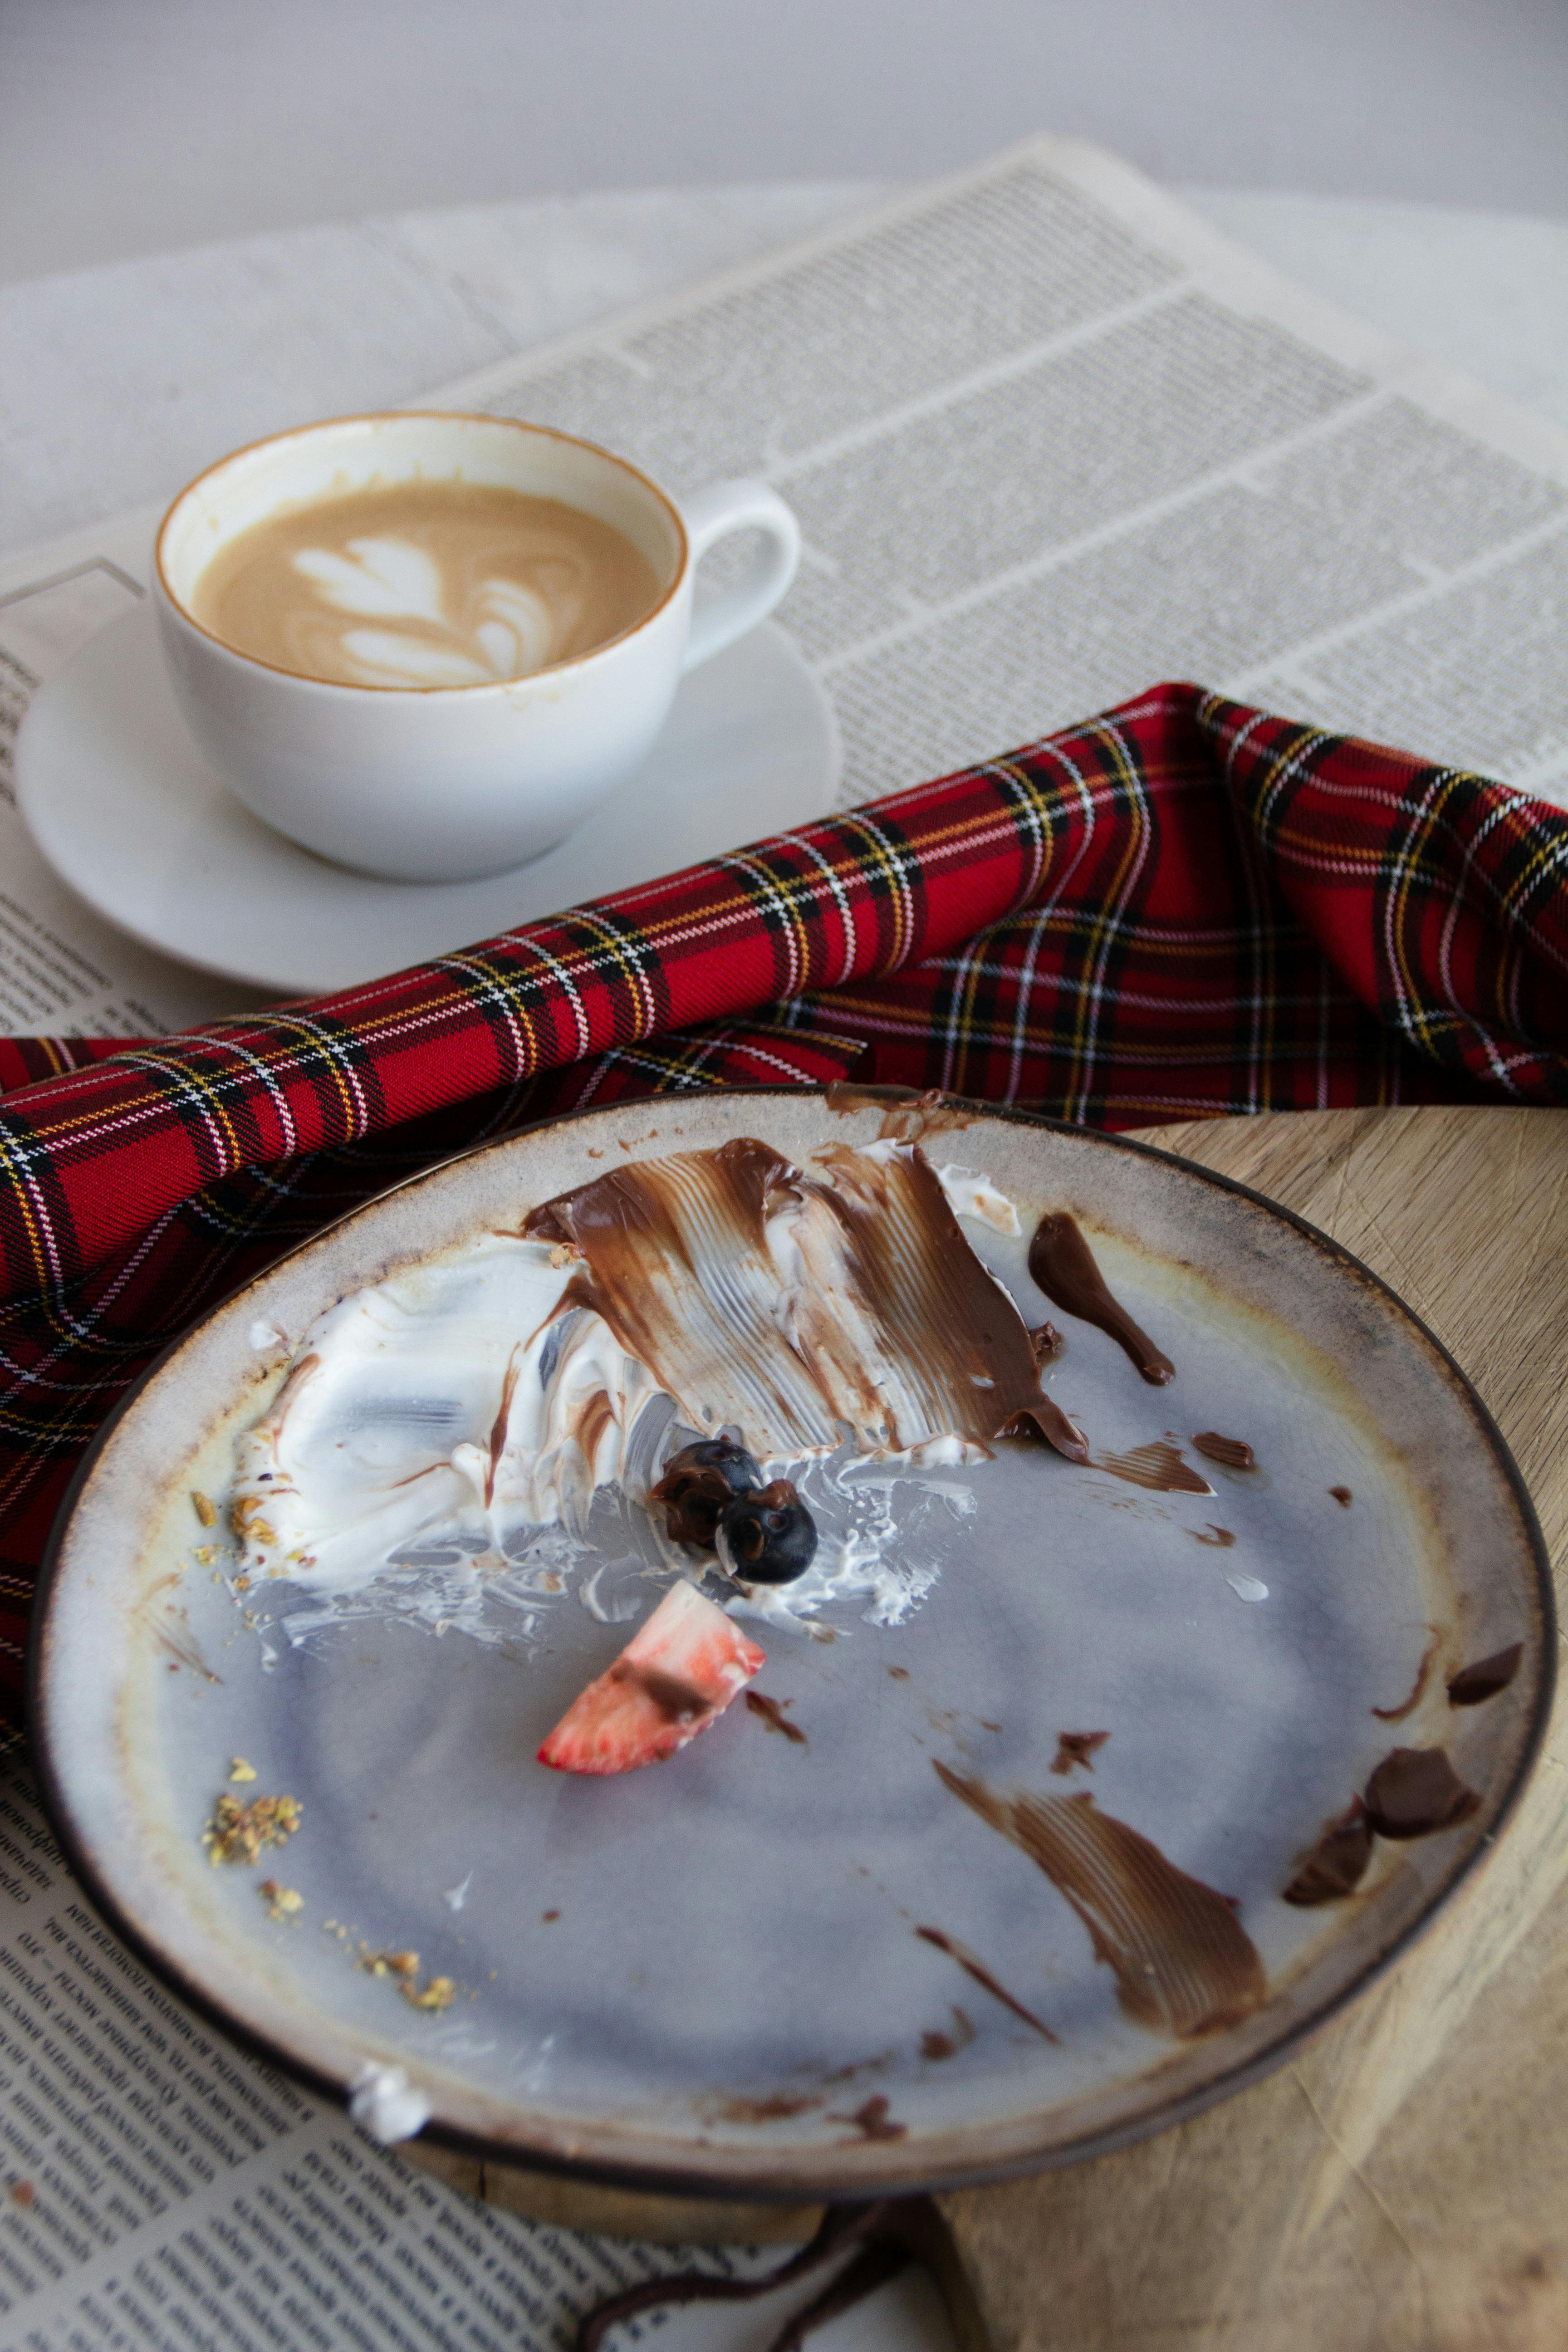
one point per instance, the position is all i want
(1051, 440)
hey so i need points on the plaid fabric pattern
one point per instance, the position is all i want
(1183, 907)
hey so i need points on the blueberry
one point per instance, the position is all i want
(766, 1536)
(739, 1469)
(696, 1484)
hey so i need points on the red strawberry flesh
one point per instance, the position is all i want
(675, 1675)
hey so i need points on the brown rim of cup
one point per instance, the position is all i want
(445, 415)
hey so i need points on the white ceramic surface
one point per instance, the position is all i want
(131, 814)
(446, 783)
(701, 1973)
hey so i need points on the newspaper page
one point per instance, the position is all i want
(161, 2190)
(1052, 439)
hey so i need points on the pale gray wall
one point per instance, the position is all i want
(131, 125)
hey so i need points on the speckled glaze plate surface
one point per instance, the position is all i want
(937, 1928)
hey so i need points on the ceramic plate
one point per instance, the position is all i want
(128, 811)
(858, 1953)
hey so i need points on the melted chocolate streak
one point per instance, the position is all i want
(1182, 1961)
(1230, 1453)
(1158, 1466)
(1062, 1264)
(676, 1261)
(1482, 1681)
(1415, 1792)
(773, 1719)
(975, 1966)
(1408, 1706)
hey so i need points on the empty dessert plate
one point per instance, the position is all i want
(1071, 1793)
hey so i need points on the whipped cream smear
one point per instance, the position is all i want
(478, 1430)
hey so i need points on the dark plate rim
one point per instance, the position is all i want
(789, 2188)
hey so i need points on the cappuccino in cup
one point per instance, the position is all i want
(426, 646)
(425, 583)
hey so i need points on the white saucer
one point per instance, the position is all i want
(129, 813)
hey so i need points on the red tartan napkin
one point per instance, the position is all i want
(1184, 908)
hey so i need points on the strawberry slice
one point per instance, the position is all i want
(675, 1675)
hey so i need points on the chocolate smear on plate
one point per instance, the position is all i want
(1220, 1537)
(1076, 1748)
(1062, 1264)
(773, 1719)
(1158, 1466)
(1423, 1674)
(1415, 1791)
(1230, 1453)
(778, 2106)
(873, 2120)
(1342, 1496)
(692, 1497)
(1336, 1865)
(1184, 1963)
(973, 1966)
(908, 1114)
(937, 2046)
(1473, 1684)
(897, 1332)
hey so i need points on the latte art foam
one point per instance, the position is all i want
(425, 584)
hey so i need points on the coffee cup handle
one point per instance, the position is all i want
(710, 515)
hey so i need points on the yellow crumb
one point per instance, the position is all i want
(240, 1770)
(282, 1902)
(204, 1555)
(239, 1833)
(206, 1512)
(439, 1993)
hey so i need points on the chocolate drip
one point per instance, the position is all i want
(1423, 1672)
(1482, 1681)
(1230, 1453)
(1077, 1749)
(1415, 1791)
(1062, 1264)
(1336, 1865)
(1157, 1466)
(1182, 1961)
(1220, 1537)
(773, 1719)
(975, 1966)
(1342, 1496)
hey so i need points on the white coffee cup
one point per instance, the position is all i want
(441, 783)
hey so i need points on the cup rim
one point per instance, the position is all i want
(443, 416)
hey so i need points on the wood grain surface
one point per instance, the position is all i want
(1401, 2185)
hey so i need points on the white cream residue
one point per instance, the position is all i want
(454, 1401)
(972, 1194)
(384, 2103)
(463, 1442)
(1246, 1588)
